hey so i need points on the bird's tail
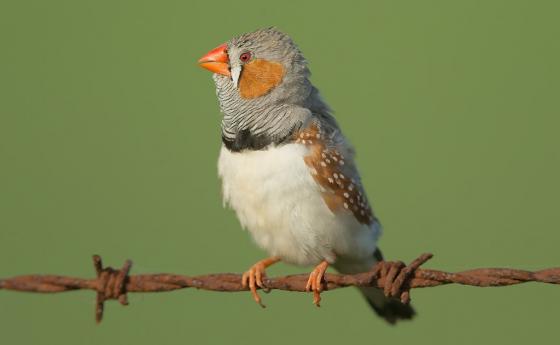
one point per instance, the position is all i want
(390, 309)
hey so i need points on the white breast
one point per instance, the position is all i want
(277, 200)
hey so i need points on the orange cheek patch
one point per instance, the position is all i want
(259, 77)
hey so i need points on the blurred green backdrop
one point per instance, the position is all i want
(109, 135)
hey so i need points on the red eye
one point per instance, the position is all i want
(245, 57)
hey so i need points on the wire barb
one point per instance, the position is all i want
(111, 284)
(393, 277)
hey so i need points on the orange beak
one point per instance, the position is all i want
(216, 60)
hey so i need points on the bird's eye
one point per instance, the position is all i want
(245, 57)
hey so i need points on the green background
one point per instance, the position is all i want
(109, 134)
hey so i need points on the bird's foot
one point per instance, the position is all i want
(315, 281)
(255, 275)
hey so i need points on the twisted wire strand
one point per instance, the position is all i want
(393, 277)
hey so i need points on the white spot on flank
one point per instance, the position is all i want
(318, 136)
(351, 187)
(323, 164)
(335, 175)
(345, 205)
(346, 195)
(328, 161)
(334, 158)
(331, 180)
(341, 162)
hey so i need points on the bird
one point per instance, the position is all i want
(288, 171)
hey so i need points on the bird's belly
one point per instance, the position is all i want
(278, 201)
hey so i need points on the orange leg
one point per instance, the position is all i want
(254, 277)
(315, 281)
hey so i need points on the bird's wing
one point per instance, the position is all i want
(331, 163)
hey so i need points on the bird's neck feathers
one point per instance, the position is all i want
(255, 123)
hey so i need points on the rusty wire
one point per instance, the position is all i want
(395, 278)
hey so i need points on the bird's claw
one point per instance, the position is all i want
(254, 277)
(315, 282)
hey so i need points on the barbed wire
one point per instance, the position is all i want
(393, 277)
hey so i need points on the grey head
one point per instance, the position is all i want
(263, 88)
